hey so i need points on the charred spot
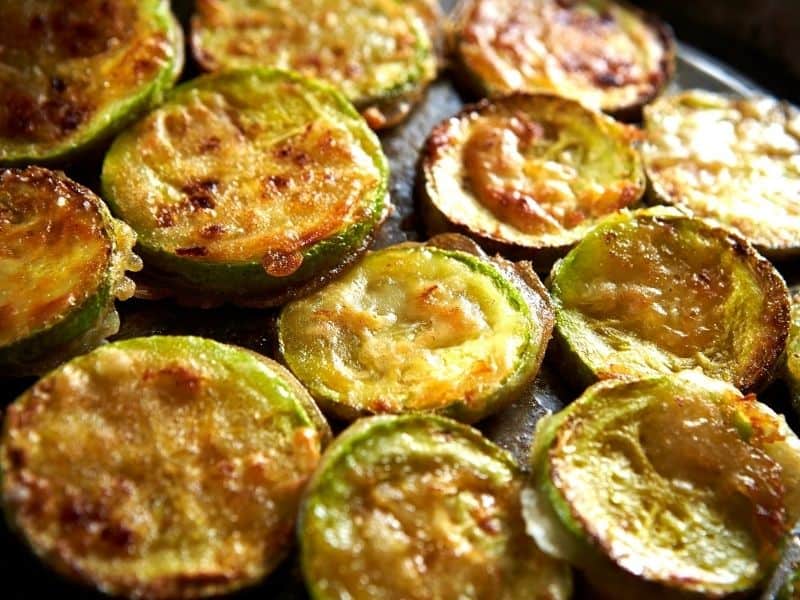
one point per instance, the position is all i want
(37, 23)
(212, 231)
(277, 182)
(301, 159)
(118, 536)
(21, 111)
(70, 117)
(201, 193)
(144, 66)
(192, 251)
(426, 294)
(17, 457)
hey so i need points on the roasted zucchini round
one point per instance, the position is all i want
(378, 52)
(529, 174)
(736, 161)
(249, 185)
(419, 507)
(73, 73)
(605, 54)
(419, 328)
(161, 467)
(62, 264)
(677, 480)
(655, 291)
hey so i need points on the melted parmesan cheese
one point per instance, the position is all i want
(600, 53)
(410, 329)
(160, 467)
(735, 161)
(55, 251)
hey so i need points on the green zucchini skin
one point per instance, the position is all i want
(534, 198)
(380, 53)
(370, 342)
(732, 160)
(95, 82)
(628, 296)
(246, 186)
(414, 477)
(63, 257)
(791, 365)
(161, 467)
(707, 537)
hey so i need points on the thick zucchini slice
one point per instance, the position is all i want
(733, 160)
(605, 54)
(676, 481)
(161, 467)
(74, 73)
(419, 328)
(655, 291)
(528, 173)
(62, 265)
(248, 185)
(419, 507)
(378, 52)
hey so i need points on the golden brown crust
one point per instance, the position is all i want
(160, 467)
(61, 64)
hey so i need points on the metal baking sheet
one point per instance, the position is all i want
(23, 577)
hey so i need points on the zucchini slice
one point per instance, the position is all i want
(161, 467)
(529, 173)
(733, 160)
(419, 328)
(62, 264)
(249, 185)
(378, 52)
(655, 291)
(675, 481)
(74, 73)
(420, 507)
(606, 54)
(791, 587)
(791, 371)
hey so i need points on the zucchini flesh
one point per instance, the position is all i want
(414, 328)
(161, 467)
(246, 183)
(655, 291)
(675, 481)
(70, 76)
(602, 53)
(420, 507)
(736, 161)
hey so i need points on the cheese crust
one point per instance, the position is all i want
(420, 507)
(73, 74)
(161, 467)
(604, 54)
(736, 161)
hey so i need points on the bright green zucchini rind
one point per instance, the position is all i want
(673, 486)
(72, 75)
(161, 467)
(416, 507)
(528, 175)
(248, 186)
(655, 291)
(62, 263)
(378, 52)
(436, 327)
(733, 160)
